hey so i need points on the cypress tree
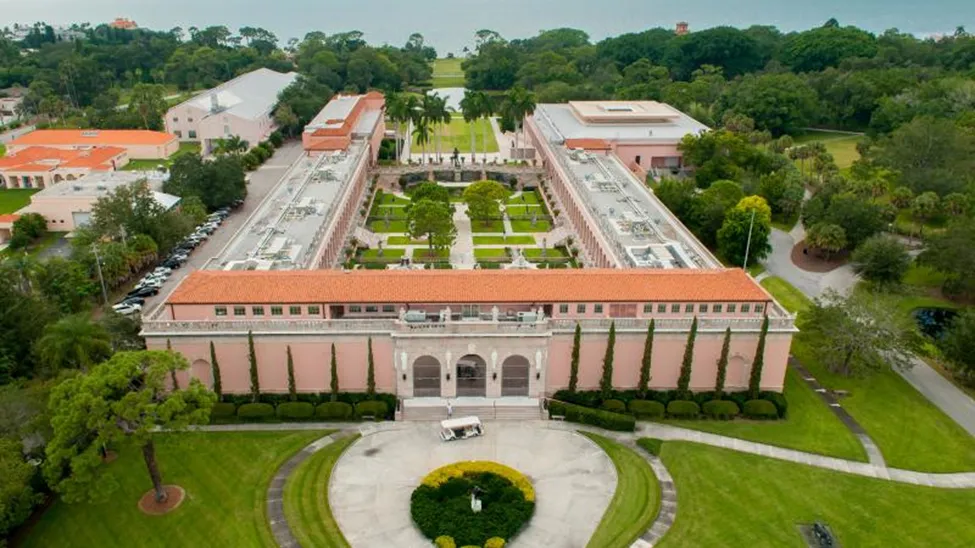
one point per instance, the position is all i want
(370, 373)
(252, 357)
(215, 369)
(292, 391)
(574, 364)
(754, 383)
(647, 359)
(722, 365)
(335, 376)
(684, 382)
(172, 372)
(606, 383)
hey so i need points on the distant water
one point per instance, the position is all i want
(448, 25)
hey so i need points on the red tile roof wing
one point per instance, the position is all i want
(588, 144)
(85, 137)
(38, 158)
(482, 286)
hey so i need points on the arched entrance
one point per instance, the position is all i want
(426, 377)
(514, 376)
(201, 370)
(472, 376)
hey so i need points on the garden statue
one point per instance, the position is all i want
(379, 249)
(456, 158)
(476, 502)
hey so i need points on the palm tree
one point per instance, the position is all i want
(422, 133)
(434, 110)
(470, 105)
(73, 342)
(232, 145)
(486, 109)
(518, 103)
(443, 116)
(396, 106)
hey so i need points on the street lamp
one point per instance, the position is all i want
(98, 266)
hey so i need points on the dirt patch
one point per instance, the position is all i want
(109, 456)
(811, 260)
(174, 497)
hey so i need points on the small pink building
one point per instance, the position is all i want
(485, 333)
(139, 144)
(345, 118)
(41, 167)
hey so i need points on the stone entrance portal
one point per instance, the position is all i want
(471, 376)
(514, 376)
(426, 377)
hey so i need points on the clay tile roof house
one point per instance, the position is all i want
(344, 118)
(44, 166)
(139, 144)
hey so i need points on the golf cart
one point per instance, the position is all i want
(460, 428)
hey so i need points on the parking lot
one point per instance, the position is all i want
(261, 182)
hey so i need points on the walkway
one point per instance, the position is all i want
(462, 252)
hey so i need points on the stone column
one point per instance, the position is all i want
(448, 388)
(493, 381)
(536, 376)
(404, 377)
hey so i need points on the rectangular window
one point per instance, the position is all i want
(355, 309)
(716, 309)
(294, 310)
(731, 307)
(314, 310)
(220, 310)
(759, 308)
(190, 120)
(388, 308)
(638, 159)
(580, 309)
(598, 309)
(277, 310)
(688, 308)
(257, 310)
(175, 119)
(192, 134)
(239, 311)
(371, 308)
(226, 130)
(564, 308)
(745, 307)
(675, 308)
(661, 309)
(702, 308)
(648, 308)
(178, 133)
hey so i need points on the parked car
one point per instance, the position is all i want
(132, 300)
(163, 270)
(128, 309)
(144, 291)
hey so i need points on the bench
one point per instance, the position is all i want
(557, 417)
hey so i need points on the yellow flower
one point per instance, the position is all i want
(457, 470)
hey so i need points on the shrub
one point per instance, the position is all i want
(760, 409)
(781, 404)
(614, 406)
(223, 410)
(377, 409)
(646, 409)
(721, 409)
(594, 417)
(334, 410)
(276, 139)
(255, 411)
(683, 409)
(296, 410)
(494, 542)
(444, 474)
(651, 445)
(443, 541)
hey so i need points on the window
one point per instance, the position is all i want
(675, 308)
(178, 133)
(239, 311)
(648, 308)
(294, 310)
(220, 310)
(746, 307)
(661, 309)
(314, 310)
(257, 310)
(175, 119)
(192, 134)
(580, 309)
(355, 309)
(731, 307)
(759, 308)
(637, 159)
(389, 308)
(716, 309)
(598, 309)
(190, 120)
(702, 308)
(226, 130)
(688, 308)
(277, 310)
(372, 308)
(564, 308)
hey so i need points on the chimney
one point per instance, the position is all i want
(681, 28)
(214, 102)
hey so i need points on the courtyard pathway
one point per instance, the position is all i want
(462, 252)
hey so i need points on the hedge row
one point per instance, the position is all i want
(593, 399)
(651, 445)
(298, 411)
(680, 409)
(444, 541)
(316, 399)
(594, 417)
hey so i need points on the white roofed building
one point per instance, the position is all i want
(239, 107)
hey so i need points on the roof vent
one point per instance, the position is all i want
(89, 133)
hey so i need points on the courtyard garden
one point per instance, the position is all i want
(147, 165)
(12, 199)
(457, 134)
(841, 145)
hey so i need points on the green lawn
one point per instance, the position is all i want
(636, 501)
(42, 243)
(491, 253)
(550, 253)
(503, 240)
(404, 240)
(756, 268)
(496, 226)
(810, 426)
(425, 254)
(225, 476)
(146, 165)
(392, 199)
(306, 498)
(3, 150)
(526, 198)
(842, 146)
(541, 225)
(388, 253)
(394, 226)
(924, 276)
(527, 210)
(12, 199)
(382, 211)
(788, 296)
(457, 134)
(727, 498)
(447, 73)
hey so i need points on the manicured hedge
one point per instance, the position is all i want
(760, 409)
(595, 417)
(651, 445)
(297, 410)
(377, 409)
(443, 541)
(222, 410)
(316, 399)
(614, 406)
(683, 409)
(594, 399)
(334, 410)
(255, 411)
(721, 409)
(646, 409)
(494, 542)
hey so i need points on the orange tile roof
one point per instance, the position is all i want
(39, 159)
(588, 144)
(479, 286)
(9, 218)
(93, 137)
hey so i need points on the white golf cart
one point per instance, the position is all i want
(460, 428)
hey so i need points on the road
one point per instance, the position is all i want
(261, 182)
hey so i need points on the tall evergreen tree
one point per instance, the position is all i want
(252, 357)
(684, 381)
(722, 365)
(292, 390)
(574, 364)
(172, 372)
(606, 383)
(755, 382)
(370, 373)
(335, 376)
(647, 359)
(215, 369)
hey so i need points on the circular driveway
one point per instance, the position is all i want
(371, 484)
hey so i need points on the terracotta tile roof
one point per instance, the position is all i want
(480, 286)
(8, 218)
(93, 137)
(38, 159)
(588, 144)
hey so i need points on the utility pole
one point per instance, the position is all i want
(748, 243)
(98, 266)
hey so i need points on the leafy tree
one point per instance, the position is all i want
(334, 376)
(574, 362)
(27, 228)
(122, 399)
(172, 373)
(292, 391)
(148, 102)
(233, 146)
(433, 221)
(755, 380)
(783, 190)
(252, 360)
(645, 364)
(778, 102)
(901, 197)
(684, 381)
(17, 497)
(483, 200)
(930, 155)
(958, 341)
(518, 103)
(73, 342)
(733, 238)
(65, 284)
(723, 364)
(217, 183)
(606, 382)
(717, 155)
(858, 218)
(124, 331)
(215, 371)
(925, 207)
(956, 204)
(827, 238)
(286, 119)
(731, 49)
(953, 254)
(370, 371)
(881, 259)
(857, 335)
(429, 190)
(826, 46)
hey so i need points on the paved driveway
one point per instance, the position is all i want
(371, 484)
(779, 263)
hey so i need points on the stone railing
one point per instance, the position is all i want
(676, 324)
(195, 327)
(473, 327)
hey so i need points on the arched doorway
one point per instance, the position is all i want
(201, 370)
(426, 377)
(472, 376)
(514, 376)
